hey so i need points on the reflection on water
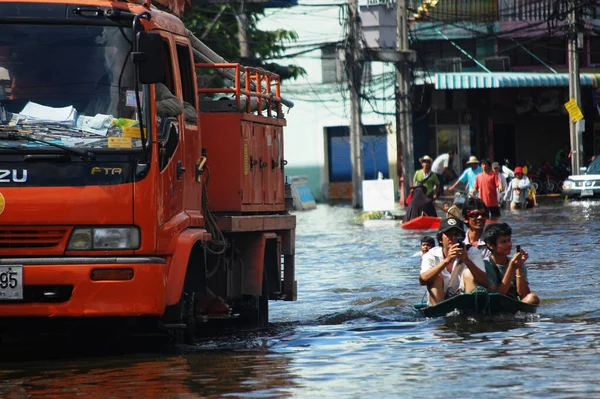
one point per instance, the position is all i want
(203, 374)
(353, 332)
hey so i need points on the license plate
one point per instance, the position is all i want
(587, 193)
(11, 282)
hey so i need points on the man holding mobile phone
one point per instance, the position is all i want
(452, 267)
(507, 274)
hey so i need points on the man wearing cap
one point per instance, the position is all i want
(516, 193)
(451, 268)
(426, 177)
(468, 176)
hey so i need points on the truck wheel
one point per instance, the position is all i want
(254, 310)
(180, 320)
(189, 316)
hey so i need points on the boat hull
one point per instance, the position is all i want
(477, 303)
(422, 223)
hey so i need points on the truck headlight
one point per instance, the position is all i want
(568, 184)
(90, 238)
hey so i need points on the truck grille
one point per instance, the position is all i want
(31, 237)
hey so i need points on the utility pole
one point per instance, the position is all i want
(404, 137)
(354, 73)
(574, 87)
(242, 21)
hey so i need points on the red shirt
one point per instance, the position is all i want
(487, 183)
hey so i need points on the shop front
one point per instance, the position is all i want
(506, 117)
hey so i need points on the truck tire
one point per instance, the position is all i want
(180, 320)
(254, 310)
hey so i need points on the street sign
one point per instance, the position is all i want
(573, 110)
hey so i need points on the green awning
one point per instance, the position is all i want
(497, 80)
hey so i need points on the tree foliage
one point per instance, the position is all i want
(216, 25)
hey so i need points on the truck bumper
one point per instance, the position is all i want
(63, 287)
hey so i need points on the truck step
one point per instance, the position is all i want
(176, 326)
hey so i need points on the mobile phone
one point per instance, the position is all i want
(518, 248)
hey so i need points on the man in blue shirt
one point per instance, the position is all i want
(468, 176)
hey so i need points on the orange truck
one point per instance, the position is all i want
(141, 176)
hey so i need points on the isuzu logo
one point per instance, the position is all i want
(13, 175)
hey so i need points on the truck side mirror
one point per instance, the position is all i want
(150, 57)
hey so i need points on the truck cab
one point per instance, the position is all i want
(120, 196)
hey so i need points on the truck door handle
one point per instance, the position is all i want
(252, 162)
(262, 163)
(180, 170)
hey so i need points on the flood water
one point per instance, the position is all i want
(353, 332)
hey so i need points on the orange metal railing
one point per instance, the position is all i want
(253, 83)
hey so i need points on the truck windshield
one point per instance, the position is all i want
(69, 84)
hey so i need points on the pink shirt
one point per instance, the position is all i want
(487, 184)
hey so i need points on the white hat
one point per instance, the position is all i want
(472, 159)
(425, 158)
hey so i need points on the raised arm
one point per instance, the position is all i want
(522, 283)
(524, 183)
(515, 268)
(473, 259)
(475, 188)
(462, 179)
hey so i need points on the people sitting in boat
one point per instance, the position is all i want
(475, 214)
(420, 204)
(507, 275)
(427, 242)
(451, 268)
(457, 206)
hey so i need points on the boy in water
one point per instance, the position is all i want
(427, 242)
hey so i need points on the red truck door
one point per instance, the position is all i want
(170, 155)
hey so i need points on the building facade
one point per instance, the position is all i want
(492, 79)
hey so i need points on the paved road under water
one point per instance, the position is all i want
(353, 333)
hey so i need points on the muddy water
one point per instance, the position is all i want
(353, 333)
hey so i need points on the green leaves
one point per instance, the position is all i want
(217, 26)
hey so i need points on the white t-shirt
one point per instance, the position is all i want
(440, 163)
(435, 256)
